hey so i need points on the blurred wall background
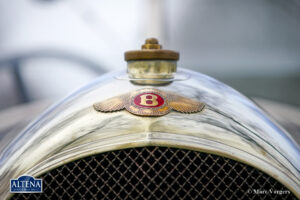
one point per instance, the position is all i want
(48, 48)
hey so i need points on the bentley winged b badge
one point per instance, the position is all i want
(150, 102)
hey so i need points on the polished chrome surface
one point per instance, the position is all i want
(230, 125)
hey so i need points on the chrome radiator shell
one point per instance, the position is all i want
(230, 125)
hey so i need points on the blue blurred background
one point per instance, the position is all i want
(48, 48)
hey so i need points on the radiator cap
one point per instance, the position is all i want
(151, 50)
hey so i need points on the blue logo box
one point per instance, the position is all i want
(26, 184)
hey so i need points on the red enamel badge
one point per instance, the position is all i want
(149, 100)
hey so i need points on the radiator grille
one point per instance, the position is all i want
(156, 173)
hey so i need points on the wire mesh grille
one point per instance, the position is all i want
(157, 173)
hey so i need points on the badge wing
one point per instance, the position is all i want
(185, 105)
(112, 104)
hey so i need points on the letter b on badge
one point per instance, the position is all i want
(148, 100)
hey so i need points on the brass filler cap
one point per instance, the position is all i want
(151, 50)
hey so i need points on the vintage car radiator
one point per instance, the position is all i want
(152, 132)
(156, 173)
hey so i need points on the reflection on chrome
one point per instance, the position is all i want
(230, 125)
